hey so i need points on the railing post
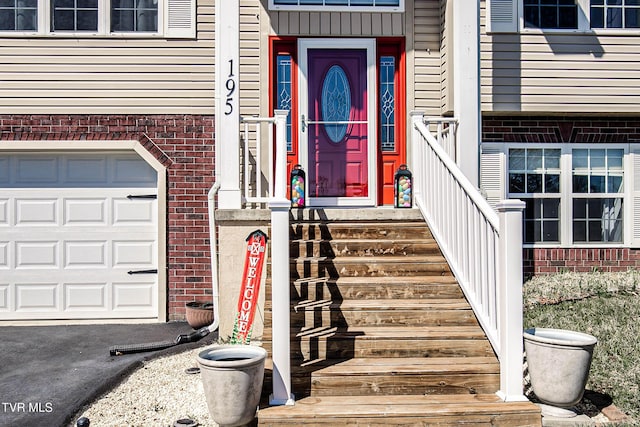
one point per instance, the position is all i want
(280, 274)
(415, 159)
(510, 299)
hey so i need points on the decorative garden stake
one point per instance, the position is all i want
(297, 187)
(402, 186)
(232, 375)
(250, 287)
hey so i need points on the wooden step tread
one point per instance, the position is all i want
(402, 259)
(420, 406)
(374, 366)
(386, 304)
(381, 280)
(397, 332)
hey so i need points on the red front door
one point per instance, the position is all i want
(337, 126)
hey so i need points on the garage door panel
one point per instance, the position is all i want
(4, 297)
(85, 296)
(37, 297)
(85, 211)
(133, 253)
(133, 296)
(4, 255)
(36, 211)
(84, 254)
(133, 212)
(36, 170)
(4, 212)
(85, 170)
(127, 171)
(42, 254)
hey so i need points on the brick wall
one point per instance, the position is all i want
(556, 260)
(567, 129)
(184, 145)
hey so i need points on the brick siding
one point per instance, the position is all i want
(568, 129)
(184, 144)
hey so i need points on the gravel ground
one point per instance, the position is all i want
(158, 394)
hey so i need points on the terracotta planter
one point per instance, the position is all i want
(199, 314)
(232, 377)
(559, 362)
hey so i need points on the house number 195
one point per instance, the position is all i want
(230, 84)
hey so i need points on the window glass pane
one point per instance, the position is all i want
(387, 67)
(534, 183)
(552, 184)
(516, 182)
(552, 159)
(517, 159)
(597, 220)
(18, 15)
(534, 159)
(283, 83)
(615, 184)
(369, 3)
(134, 15)
(74, 15)
(614, 159)
(580, 184)
(541, 220)
(597, 184)
(597, 17)
(632, 18)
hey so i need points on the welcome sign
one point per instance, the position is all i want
(250, 288)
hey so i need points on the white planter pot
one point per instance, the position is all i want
(232, 376)
(559, 363)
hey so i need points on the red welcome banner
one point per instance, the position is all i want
(250, 288)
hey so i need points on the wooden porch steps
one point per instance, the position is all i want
(407, 411)
(381, 333)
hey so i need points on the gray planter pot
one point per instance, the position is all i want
(232, 376)
(559, 362)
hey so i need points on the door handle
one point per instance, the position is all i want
(303, 123)
(153, 271)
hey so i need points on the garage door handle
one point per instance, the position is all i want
(154, 271)
(142, 196)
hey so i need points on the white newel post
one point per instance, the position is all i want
(466, 85)
(280, 275)
(510, 327)
(415, 159)
(227, 132)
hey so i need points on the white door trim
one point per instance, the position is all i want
(303, 104)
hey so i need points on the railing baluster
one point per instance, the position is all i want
(473, 238)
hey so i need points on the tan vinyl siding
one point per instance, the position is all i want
(562, 73)
(446, 57)
(109, 75)
(337, 24)
(427, 57)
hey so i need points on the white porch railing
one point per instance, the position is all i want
(483, 248)
(445, 133)
(265, 183)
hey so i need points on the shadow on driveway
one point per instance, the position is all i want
(47, 373)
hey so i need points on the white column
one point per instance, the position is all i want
(510, 300)
(227, 132)
(280, 275)
(466, 85)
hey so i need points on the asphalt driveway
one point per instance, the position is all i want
(47, 373)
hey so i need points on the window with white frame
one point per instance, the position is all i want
(615, 14)
(338, 5)
(597, 193)
(534, 177)
(574, 194)
(171, 18)
(550, 14)
(562, 15)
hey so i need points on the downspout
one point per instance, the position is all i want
(213, 239)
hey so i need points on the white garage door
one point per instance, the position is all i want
(78, 236)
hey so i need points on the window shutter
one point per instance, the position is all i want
(492, 174)
(502, 16)
(180, 19)
(635, 198)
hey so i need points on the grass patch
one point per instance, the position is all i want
(605, 305)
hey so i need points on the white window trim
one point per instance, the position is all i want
(566, 192)
(104, 15)
(510, 19)
(322, 8)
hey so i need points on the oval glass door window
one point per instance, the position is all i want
(336, 103)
